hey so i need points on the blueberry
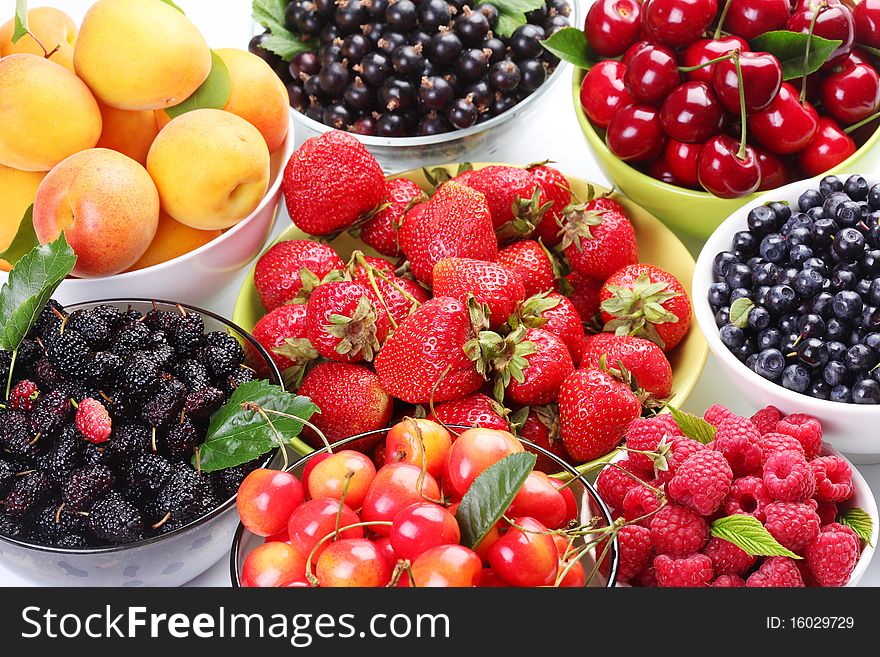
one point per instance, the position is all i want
(732, 336)
(849, 245)
(808, 283)
(849, 214)
(739, 275)
(762, 220)
(856, 187)
(798, 254)
(812, 352)
(759, 319)
(754, 262)
(744, 243)
(873, 218)
(743, 351)
(859, 357)
(874, 197)
(764, 274)
(835, 373)
(811, 326)
(770, 364)
(835, 329)
(788, 323)
(789, 342)
(800, 236)
(830, 184)
(822, 304)
(816, 213)
(818, 388)
(841, 394)
(870, 318)
(722, 316)
(799, 220)
(782, 298)
(823, 232)
(796, 377)
(786, 276)
(863, 287)
(816, 263)
(842, 279)
(781, 209)
(719, 294)
(847, 304)
(761, 295)
(872, 341)
(871, 263)
(722, 263)
(769, 338)
(751, 360)
(833, 202)
(873, 237)
(866, 391)
(874, 293)
(740, 293)
(809, 199)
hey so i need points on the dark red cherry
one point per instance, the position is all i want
(833, 22)
(866, 17)
(677, 23)
(852, 94)
(659, 170)
(681, 158)
(603, 92)
(774, 172)
(692, 113)
(705, 50)
(749, 18)
(612, 26)
(786, 126)
(829, 148)
(633, 50)
(652, 73)
(723, 173)
(635, 134)
(761, 79)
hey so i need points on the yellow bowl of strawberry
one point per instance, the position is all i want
(471, 294)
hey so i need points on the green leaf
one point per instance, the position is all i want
(286, 45)
(490, 495)
(739, 312)
(25, 239)
(517, 6)
(236, 435)
(269, 14)
(693, 426)
(570, 45)
(789, 48)
(21, 20)
(32, 281)
(749, 535)
(169, 2)
(509, 21)
(861, 523)
(212, 94)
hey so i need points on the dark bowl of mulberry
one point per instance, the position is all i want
(108, 404)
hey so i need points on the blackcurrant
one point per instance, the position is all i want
(525, 42)
(376, 66)
(401, 15)
(397, 94)
(534, 74)
(391, 124)
(408, 60)
(355, 46)
(462, 113)
(333, 78)
(504, 76)
(445, 48)
(471, 27)
(472, 65)
(435, 93)
(433, 14)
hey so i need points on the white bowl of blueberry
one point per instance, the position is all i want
(787, 293)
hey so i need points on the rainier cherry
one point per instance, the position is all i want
(539, 499)
(474, 451)
(310, 465)
(353, 562)
(414, 440)
(316, 519)
(422, 526)
(612, 26)
(571, 509)
(575, 576)
(525, 558)
(677, 22)
(603, 92)
(328, 478)
(447, 566)
(397, 485)
(830, 147)
(272, 564)
(266, 498)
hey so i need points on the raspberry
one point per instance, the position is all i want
(827, 512)
(702, 482)
(645, 434)
(23, 395)
(776, 572)
(748, 496)
(728, 581)
(778, 442)
(716, 414)
(793, 524)
(680, 450)
(788, 477)
(806, 429)
(678, 531)
(837, 527)
(613, 485)
(93, 421)
(727, 558)
(738, 439)
(634, 542)
(647, 577)
(692, 571)
(765, 420)
(831, 558)
(639, 502)
(833, 479)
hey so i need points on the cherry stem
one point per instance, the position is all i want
(741, 153)
(721, 20)
(310, 577)
(275, 434)
(11, 370)
(697, 67)
(819, 9)
(253, 406)
(348, 475)
(863, 122)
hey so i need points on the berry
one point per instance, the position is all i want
(221, 353)
(806, 429)
(23, 395)
(765, 419)
(794, 525)
(702, 482)
(645, 434)
(678, 531)
(680, 450)
(50, 413)
(85, 485)
(165, 402)
(833, 479)
(832, 558)
(728, 581)
(739, 441)
(129, 441)
(727, 558)
(114, 520)
(634, 545)
(788, 477)
(148, 472)
(181, 440)
(776, 572)
(716, 414)
(185, 496)
(778, 442)
(93, 421)
(204, 401)
(639, 503)
(68, 350)
(27, 494)
(690, 571)
(613, 483)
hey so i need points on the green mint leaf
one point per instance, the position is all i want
(693, 426)
(490, 495)
(170, 2)
(739, 312)
(25, 239)
(570, 45)
(236, 435)
(789, 48)
(750, 536)
(861, 523)
(32, 281)
(21, 20)
(285, 44)
(212, 94)
(269, 14)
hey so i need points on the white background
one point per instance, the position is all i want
(552, 133)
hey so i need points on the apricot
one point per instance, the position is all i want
(131, 132)
(107, 206)
(17, 191)
(173, 239)
(55, 30)
(257, 95)
(140, 54)
(211, 168)
(46, 113)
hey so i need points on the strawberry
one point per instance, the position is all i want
(398, 297)
(476, 410)
(555, 314)
(548, 365)
(557, 191)
(647, 302)
(425, 357)
(344, 321)
(283, 334)
(584, 295)
(644, 359)
(594, 412)
(278, 274)
(330, 183)
(597, 239)
(351, 402)
(492, 284)
(515, 197)
(380, 231)
(541, 426)
(533, 263)
(455, 223)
